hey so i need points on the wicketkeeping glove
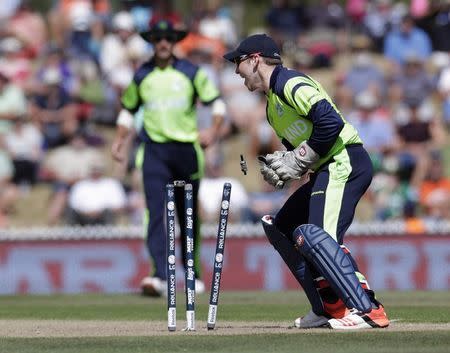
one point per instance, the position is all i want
(269, 175)
(292, 164)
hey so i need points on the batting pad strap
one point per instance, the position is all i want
(125, 119)
(218, 107)
(332, 263)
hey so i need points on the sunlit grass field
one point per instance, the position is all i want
(421, 323)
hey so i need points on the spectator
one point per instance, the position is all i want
(119, 42)
(443, 87)
(12, 61)
(326, 14)
(326, 34)
(377, 21)
(97, 199)
(69, 15)
(141, 10)
(391, 195)
(29, 27)
(65, 165)
(437, 24)
(24, 144)
(356, 11)
(210, 192)
(435, 189)
(97, 35)
(420, 129)
(406, 40)
(217, 25)
(415, 84)
(8, 191)
(54, 111)
(364, 74)
(285, 21)
(438, 206)
(419, 8)
(81, 18)
(164, 10)
(198, 42)
(12, 102)
(54, 59)
(373, 126)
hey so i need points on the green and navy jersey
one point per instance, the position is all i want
(168, 97)
(299, 109)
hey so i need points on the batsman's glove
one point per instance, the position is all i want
(292, 164)
(269, 174)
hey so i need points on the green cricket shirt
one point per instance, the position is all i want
(168, 97)
(299, 109)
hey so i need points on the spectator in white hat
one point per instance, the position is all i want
(115, 53)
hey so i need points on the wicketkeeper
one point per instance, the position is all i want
(308, 231)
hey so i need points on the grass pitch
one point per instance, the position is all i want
(247, 322)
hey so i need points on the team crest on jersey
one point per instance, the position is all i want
(279, 109)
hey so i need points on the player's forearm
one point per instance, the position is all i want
(122, 132)
(217, 124)
(218, 112)
(124, 125)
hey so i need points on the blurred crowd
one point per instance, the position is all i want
(62, 73)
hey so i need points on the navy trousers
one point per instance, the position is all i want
(329, 201)
(163, 163)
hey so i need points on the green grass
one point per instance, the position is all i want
(406, 307)
(408, 342)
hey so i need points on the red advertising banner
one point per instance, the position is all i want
(110, 266)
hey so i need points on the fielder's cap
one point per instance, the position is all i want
(260, 44)
(163, 29)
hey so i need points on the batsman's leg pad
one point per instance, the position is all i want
(331, 261)
(294, 260)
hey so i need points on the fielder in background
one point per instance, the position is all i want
(167, 88)
(325, 152)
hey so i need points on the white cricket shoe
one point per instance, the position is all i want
(357, 320)
(311, 320)
(153, 287)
